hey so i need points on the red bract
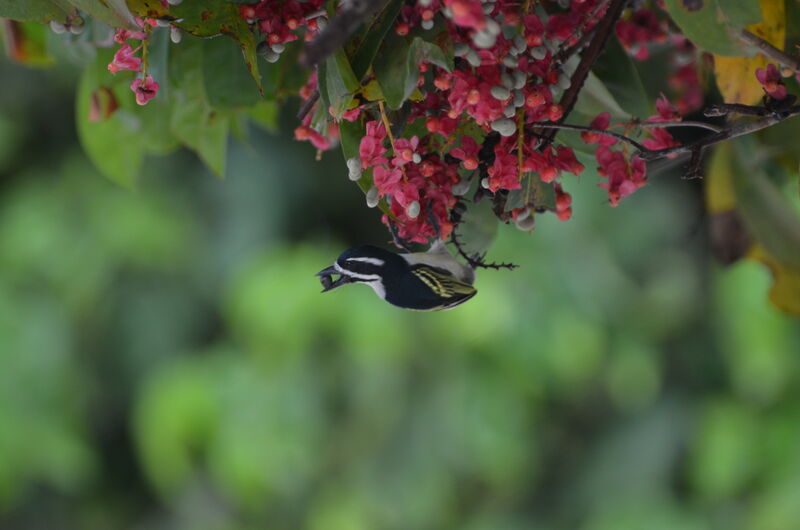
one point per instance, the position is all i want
(771, 80)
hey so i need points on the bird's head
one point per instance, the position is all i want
(364, 264)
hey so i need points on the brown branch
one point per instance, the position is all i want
(769, 50)
(728, 133)
(565, 53)
(698, 147)
(339, 30)
(601, 34)
(308, 105)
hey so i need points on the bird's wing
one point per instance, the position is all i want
(451, 290)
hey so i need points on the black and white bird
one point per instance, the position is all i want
(420, 281)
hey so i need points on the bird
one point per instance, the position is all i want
(419, 281)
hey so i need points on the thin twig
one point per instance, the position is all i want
(478, 263)
(770, 51)
(570, 127)
(682, 123)
(308, 105)
(339, 30)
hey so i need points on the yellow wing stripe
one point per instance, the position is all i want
(442, 284)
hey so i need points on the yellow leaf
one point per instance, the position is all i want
(717, 184)
(785, 291)
(371, 91)
(736, 76)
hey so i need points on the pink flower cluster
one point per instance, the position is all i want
(415, 179)
(145, 88)
(283, 21)
(481, 117)
(626, 174)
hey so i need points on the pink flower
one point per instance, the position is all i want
(404, 150)
(144, 90)
(771, 80)
(601, 122)
(386, 180)
(352, 114)
(504, 173)
(125, 60)
(467, 153)
(624, 177)
(371, 149)
(661, 139)
(666, 112)
(123, 34)
(305, 132)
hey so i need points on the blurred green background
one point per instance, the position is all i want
(167, 361)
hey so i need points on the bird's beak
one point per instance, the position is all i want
(328, 284)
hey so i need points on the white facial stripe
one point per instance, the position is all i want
(363, 277)
(373, 261)
(355, 275)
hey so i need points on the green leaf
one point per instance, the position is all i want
(741, 13)
(41, 11)
(225, 77)
(115, 13)
(705, 26)
(266, 115)
(596, 98)
(218, 17)
(392, 70)
(620, 76)
(398, 71)
(340, 83)
(424, 51)
(368, 46)
(194, 121)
